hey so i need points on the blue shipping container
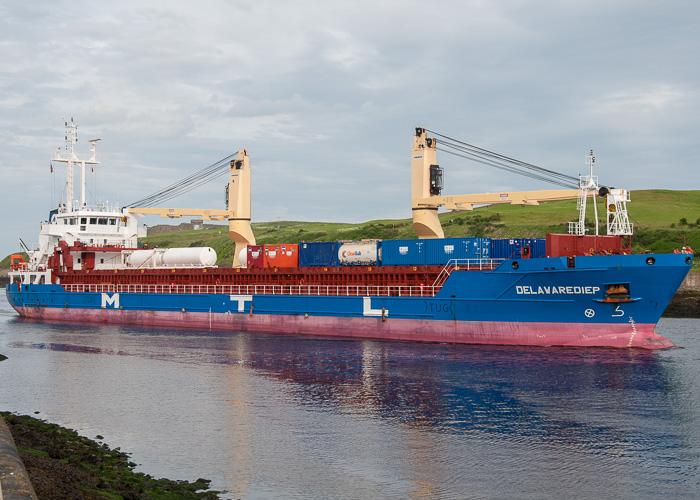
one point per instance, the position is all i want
(481, 248)
(512, 248)
(403, 252)
(538, 248)
(440, 251)
(506, 248)
(319, 254)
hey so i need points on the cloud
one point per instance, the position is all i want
(325, 96)
(639, 102)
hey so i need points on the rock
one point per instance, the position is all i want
(683, 305)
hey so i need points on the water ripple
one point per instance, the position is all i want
(269, 416)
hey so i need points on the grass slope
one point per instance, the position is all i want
(661, 218)
(657, 216)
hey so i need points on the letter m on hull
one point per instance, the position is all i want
(110, 301)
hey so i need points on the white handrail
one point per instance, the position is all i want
(317, 290)
(468, 264)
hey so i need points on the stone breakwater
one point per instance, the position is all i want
(14, 480)
(686, 302)
(691, 283)
(684, 305)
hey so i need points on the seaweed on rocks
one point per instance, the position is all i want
(64, 465)
(683, 305)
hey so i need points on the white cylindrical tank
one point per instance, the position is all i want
(195, 256)
(145, 258)
(360, 253)
(243, 257)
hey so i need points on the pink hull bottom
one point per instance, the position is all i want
(462, 332)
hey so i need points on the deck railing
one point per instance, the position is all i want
(466, 265)
(313, 290)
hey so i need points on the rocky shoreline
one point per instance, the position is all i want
(683, 305)
(64, 465)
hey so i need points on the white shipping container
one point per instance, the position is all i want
(360, 253)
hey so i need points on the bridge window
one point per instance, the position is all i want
(83, 220)
(112, 222)
(102, 221)
(93, 220)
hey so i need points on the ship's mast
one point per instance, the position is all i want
(71, 158)
(71, 139)
(588, 186)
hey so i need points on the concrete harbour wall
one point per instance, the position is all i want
(14, 480)
(691, 283)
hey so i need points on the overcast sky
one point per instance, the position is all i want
(325, 96)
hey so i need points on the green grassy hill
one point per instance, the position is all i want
(661, 220)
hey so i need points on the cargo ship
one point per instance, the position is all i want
(565, 290)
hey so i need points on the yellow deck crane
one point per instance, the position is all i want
(426, 186)
(238, 212)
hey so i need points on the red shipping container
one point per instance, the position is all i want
(570, 245)
(285, 255)
(256, 256)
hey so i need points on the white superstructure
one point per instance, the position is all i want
(76, 222)
(81, 237)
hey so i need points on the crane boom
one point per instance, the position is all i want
(238, 211)
(426, 185)
(26, 248)
(467, 201)
(177, 213)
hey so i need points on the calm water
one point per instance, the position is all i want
(267, 416)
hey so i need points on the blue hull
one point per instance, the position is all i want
(525, 302)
